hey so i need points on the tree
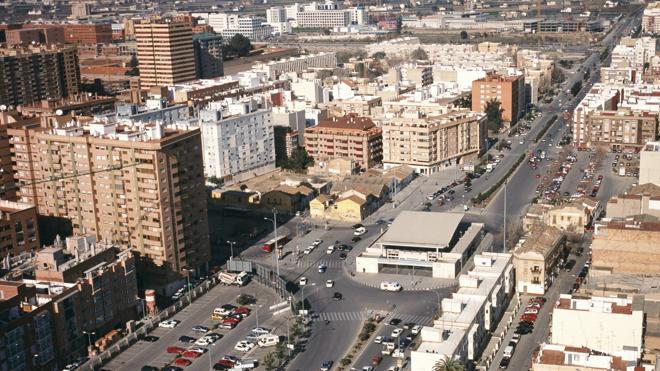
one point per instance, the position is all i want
(378, 55)
(465, 101)
(240, 45)
(493, 114)
(575, 89)
(448, 364)
(464, 35)
(280, 350)
(326, 32)
(646, 66)
(270, 361)
(299, 160)
(419, 54)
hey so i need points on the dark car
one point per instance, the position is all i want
(326, 366)
(151, 338)
(342, 256)
(408, 325)
(569, 265)
(504, 363)
(337, 296)
(394, 321)
(187, 339)
(171, 368)
(150, 368)
(524, 330)
(356, 226)
(356, 239)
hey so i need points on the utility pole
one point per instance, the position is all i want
(504, 227)
(277, 252)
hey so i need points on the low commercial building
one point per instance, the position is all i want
(469, 315)
(557, 357)
(628, 246)
(428, 143)
(437, 244)
(642, 199)
(351, 136)
(297, 64)
(573, 218)
(536, 258)
(610, 325)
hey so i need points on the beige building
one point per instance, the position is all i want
(362, 105)
(649, 158)
(556, 357)
(140, 186)
(165, 52)
(621, 129)
(19, 231)
(642, 199)
(508, 90)
(573, 217)
(429, 143)
(536, 258)
(630, 246)
(350, 136)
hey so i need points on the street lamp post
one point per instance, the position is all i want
(188, 287)
(231, 246)
(144, 310)
(210, 350)
(437, 294)
(257, 312)
(302, 294)
(89, 339)
(277, 260)
(504, 231)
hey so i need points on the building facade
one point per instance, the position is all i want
(508, 90)
(429, 143)
(238, 140)
(651, 19)
(19, 231)
(627, 246)
(621, 129)
(31, 74)
(649, 157)
(536, 259)
(351, 136)
(138, 185)
(298, 64)
(208, 55)
(88, 33)
(165, 52)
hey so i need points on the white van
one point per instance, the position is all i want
(268, 340)
(247, 364)
(508, 351)
(390, 286)
(330, 249)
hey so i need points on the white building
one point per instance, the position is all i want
(556, 357)
(229, 25)
(610, 325)
(237, 139)
(651, 18)
(467, 316)
(323, 18)
(649, 158)
(436, 243)
(297, 64)
(276, 14)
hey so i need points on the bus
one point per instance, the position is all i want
(270, 244)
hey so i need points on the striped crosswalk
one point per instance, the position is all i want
(332, 264)
(363, 315)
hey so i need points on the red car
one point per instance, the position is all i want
(175, 350)
(529, 317)
(225, 363)
(182, 362)
(244, 311)
(191, 354)
(376, 360)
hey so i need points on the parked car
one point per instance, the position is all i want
(182, 362)
(175, 350)
(244, 346)
(187, 339)
(200, 328)
(170, 323)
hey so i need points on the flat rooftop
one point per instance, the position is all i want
(422, 229)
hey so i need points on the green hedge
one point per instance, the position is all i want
(484, 196)
(545, 129)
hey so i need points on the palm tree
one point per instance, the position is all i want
(448, 364)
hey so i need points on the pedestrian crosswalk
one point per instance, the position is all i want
(332, 264)
(423, 320)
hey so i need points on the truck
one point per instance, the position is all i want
(268, 340)
(390, 286)
(238, 279)
(387, 349)
(490, 167)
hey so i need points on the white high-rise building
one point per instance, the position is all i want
(276, 14)
(238, 140)
(651, 18)
(229, 25)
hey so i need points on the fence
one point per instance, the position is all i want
(148, 324)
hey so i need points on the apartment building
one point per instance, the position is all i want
(36, 72)
(208, 55)
(228, 25)
(600, 97)
(536, 258)
(508, 90)
(276, 14)
(81, 286)
(620, 129)
(468, 315)
(362, 105)
(651, 19)
(88, 33)
(41, 35)
(323, 18)
(649, 157)
(19, 231)
(610, 325)
(138, 184)
(297, 64)
(429, 143)
(574, 217)
(557, 357)
(627, 246)
(165, 52)
(350, 136)
(238, 140)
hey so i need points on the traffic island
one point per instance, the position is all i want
(368, 330)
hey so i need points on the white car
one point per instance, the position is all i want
(329, 283)
(396, 332)
(360, 231)
(317, 242)
(309, 250)
(203, 341)
(260, 331)
(378, 339)
(303, 281)
(170, 323)
(244, 346)
(71, 366)
(198, 350)
(416, 329)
